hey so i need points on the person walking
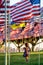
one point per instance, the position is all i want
(26, 51)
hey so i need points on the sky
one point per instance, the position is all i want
(15, 1)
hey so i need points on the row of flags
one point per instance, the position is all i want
(28, 31)
(34, 31)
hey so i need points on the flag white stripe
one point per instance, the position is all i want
(3, 9)
(2, 14)
(36, 4)
(35, 9)
(36, 13)
(3, 20)
(3, 17)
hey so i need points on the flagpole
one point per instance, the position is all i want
(5, 32)
(9, 37)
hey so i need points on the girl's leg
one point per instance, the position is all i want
(27, 59)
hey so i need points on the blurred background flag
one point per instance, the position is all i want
(2, 10)
(17, 25)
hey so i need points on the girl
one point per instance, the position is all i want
(26, 51)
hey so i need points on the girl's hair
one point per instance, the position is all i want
(26, 44)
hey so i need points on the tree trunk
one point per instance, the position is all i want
(32, 47)
(18, 48)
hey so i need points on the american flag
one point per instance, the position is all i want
(2, 28)
(36, 29)
(25, 10)
(25, 32)
(14, 34)
(2, 10)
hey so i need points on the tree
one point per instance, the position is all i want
(19, 43)
(33, 41)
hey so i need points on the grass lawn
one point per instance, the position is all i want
(18, 59)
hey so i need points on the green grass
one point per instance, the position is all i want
(2, 59)
(18, 59)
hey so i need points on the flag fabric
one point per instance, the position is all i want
(17, 25)
(27, 28)
(36, 7)
(25, 10)
(25, 32)
(1, 28)
(21, 11)
(2, 32)
(36, 29)
(14, 34)
(2, 10)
